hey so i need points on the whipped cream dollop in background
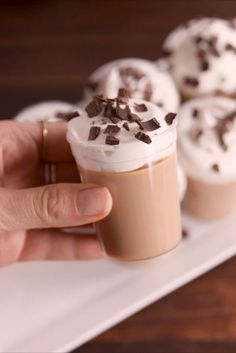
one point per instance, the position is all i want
(143, 79)
(45, 111)
(202, 57)
(130, 153)
(206, 141)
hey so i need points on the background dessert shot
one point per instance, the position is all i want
(50, 50)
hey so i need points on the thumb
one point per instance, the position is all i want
(51, 206)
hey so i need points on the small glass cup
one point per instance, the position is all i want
(145, 218)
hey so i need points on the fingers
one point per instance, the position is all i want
(53, 206)
(64, 172)
(56, 245)
(50, 139)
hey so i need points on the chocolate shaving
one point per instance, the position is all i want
(120, 112)
(215, 167)
(184, 233)
(134, 117)
(195, 113)
(94, 108)
(160, 104)
(212, 46)
(140, 108)
(123, 95)
(198, 39)
(150, 125)
(112, 140)
(199, 133)
(147, 94)
(230, 47)
(204, 65)
(92, 85)
(191, 81)
(94, 133)
(67, 116)
(112, 129)
(170, 117)
(143, 137)
(126, 126)
(166, 53)
(114, 120)
(109, 111)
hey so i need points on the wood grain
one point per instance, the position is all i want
(47, 50)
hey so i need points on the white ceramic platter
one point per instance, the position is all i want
(55, 307)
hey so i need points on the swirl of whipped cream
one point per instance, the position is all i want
(202, 57)
(45, 111)
(207, 143)
(141, 77)
(130, 153)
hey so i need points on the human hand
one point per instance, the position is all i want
(31, 215)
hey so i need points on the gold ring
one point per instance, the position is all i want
(49, 167)
(44, 138)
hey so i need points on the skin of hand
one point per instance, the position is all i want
(32, 214)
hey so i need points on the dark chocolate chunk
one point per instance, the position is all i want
(140, 108)
(204, 65)
(143, 137)
(201, 53)
(191, 81)
(112, 140)
(166, 53)
(126, 126)
(151, 125)
(198, 134)
(230, 47)
(212, 46)
(109, 111)
(220, 129)
(94, 108)
(121, 113)
(170, 117)
(123, 92)
(112, 129)
(198, 39)
(147, 94)
(184, 233)
(195, 113)
(94, 133)
(123, 95)
(67, 116)
(114, 119)
(92, 85)
(134, 117)
(215, 167)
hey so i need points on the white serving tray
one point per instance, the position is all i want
(55, 307)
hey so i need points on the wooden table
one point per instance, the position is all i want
(47, 50)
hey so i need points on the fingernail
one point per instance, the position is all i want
(95, 201)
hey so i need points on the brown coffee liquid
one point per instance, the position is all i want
(209, 201)
(145, 218)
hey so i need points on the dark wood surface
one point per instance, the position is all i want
(47, 50)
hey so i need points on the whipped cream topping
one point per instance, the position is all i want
(202, 57)
(141, 77)
(207, 139)
(45, 111)
(96, 146)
